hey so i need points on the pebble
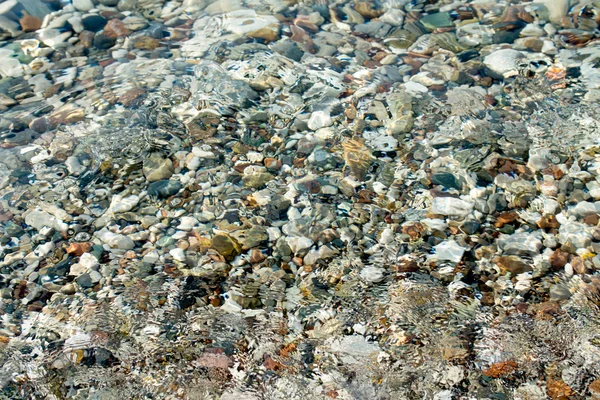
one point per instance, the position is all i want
(83, 5)
(504, 62)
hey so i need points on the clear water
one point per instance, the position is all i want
(299, 200)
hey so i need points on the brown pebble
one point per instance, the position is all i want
(594, 388)
(77, 249)
(506, 218)
(132, 97)
(40, 125)
(487, 299)
(115, 28)
(485, 82)
(414, 230)
(407, 265)
(559, 259)
(557, 389)
(548, 222)
(146, 43)
(591, 219)
(256, 256)
(578, 265)
(86, 39)
(513, 264)
(272, 163)
(29, 23)
(501, 369)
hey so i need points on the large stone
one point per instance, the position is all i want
(164, 188)
(83, 5)
(227, 246)
(503, 63)
(157, 168)
(521, 244)
(451, 207)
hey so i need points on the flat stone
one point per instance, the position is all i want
(164, 188)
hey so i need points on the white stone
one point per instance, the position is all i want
(451, 206)
(89, 261)
(355, 349)
(556, 8)
(262, 197)
(52, 37)
(74, 166)
(243, 22)
(9, 66)
(521, 244)
(372, 274)
(187, 223)
(532, 30)
(83, 5)
(549, 48)
(151, 257)
(95, 276)
(193, 163)
(449, 250)
(299, 243)
(121, 204)
(504, 62)
(178, 254)
(38, 219)
(76, 23)
(415, 87)
(116, 240)
(319, 119)
(575, 233)
(255, 157)
(274, 233)
(44, 249)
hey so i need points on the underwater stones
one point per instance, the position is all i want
(513, 264)
(248, 22)
(288, 49)
(39, 219)
(451, 207)
(437, 20)
(299, 244)
(83, 5)
(94, 22)
(256, 177)
(319, 119)
(164, 188)
(115, 240)
(157, 168)
(449, 250)
(226, 245)
(121, 204)
(504, 63)
(522, 244)
(372, 274)
(115, 28)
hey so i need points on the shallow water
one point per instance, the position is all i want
(299, 199)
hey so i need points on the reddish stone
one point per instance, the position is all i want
(506, 218)
(29, 23)
(116, 28)
(501, 369)
(77, 249)
(558, 390)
